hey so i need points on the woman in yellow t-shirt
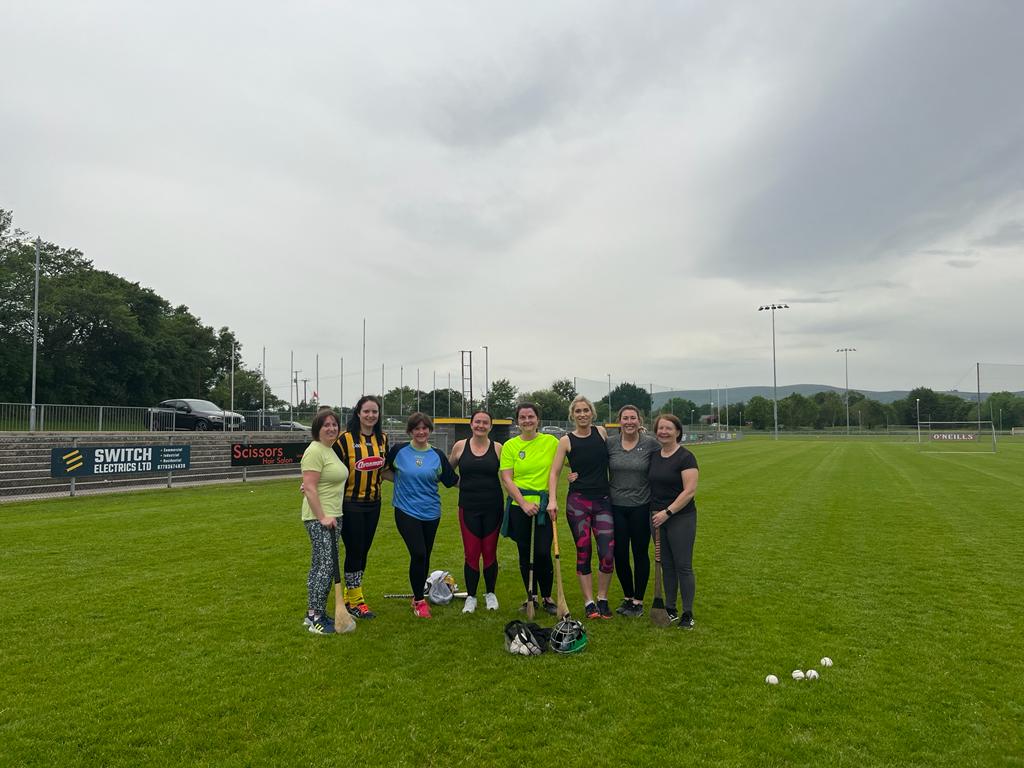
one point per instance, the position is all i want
(323, 479)
(524, 467)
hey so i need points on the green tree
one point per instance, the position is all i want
(831, 409)
(553, 406)
(401, 401)
(759, 413)
(102, 339)
(442, 396)
(564, 388)
(501, 399)
(1004, 409)
(249, 386)
(797, 411)
(630, 394)
(680, 406)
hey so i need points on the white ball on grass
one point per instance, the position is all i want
(772, 680)
(826, 661)
(812, 674)
(798, 674)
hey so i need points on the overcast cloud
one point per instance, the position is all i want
(586, 188)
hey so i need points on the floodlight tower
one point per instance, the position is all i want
(35, 342)
(775, 387)
(846, 353)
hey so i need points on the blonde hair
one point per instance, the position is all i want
(580, 399)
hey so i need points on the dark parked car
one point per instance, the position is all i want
(199, 415)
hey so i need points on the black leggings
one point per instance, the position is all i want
(633, 532)
(677, 537)
(520, 526)
(419, 540)
(361, 518)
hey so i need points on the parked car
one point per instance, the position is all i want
(198, 415)
(552, 430)
(264, 421)
(294, 426)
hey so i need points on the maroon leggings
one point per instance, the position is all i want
(480, 540)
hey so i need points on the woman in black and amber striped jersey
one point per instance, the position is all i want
(362, 447)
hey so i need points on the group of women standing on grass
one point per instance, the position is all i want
(622, 487)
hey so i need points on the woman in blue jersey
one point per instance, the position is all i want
(416, 468)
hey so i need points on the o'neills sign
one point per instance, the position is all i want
(954, 435)
(263, 454)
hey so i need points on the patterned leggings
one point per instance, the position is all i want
(323, 565)
(591, 515)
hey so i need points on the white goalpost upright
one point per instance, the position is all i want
(957, 437)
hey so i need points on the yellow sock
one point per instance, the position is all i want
(354, 596)
(348, 599)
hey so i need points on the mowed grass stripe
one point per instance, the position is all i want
(164, 627)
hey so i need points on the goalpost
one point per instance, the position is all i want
(957, 437)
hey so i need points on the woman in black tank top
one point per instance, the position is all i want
(587, 506)
(480, 507)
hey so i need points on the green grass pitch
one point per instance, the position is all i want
(163, 628)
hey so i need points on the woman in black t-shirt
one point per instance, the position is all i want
(480, 507)
(673, 476)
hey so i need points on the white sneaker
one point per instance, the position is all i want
(470, 605)
(491, 600)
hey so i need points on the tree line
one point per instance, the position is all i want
(105, 340)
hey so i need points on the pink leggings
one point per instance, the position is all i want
(589, 518)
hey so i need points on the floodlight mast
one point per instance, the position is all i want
(846, 353)
(775, 387)
(35, 342)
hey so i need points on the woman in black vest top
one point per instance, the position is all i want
(480, 507)
(588, 509)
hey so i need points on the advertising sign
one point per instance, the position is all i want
(263, 454)
(117, 459)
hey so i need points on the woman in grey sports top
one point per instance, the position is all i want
(629, 458)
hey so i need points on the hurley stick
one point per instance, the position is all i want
(659, 616)
(343, 621)
(563, 609)
(529, 587)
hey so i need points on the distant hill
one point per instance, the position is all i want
(743, 394)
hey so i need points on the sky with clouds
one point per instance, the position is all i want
(586, 188)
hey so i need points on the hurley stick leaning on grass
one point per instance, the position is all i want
(323, 478)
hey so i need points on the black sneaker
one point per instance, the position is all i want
(636, 610)
(522, 608)
(550, 607)
(603, 609)
(672, 615)
(686, 620)
(591, 612)
(625, 608)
